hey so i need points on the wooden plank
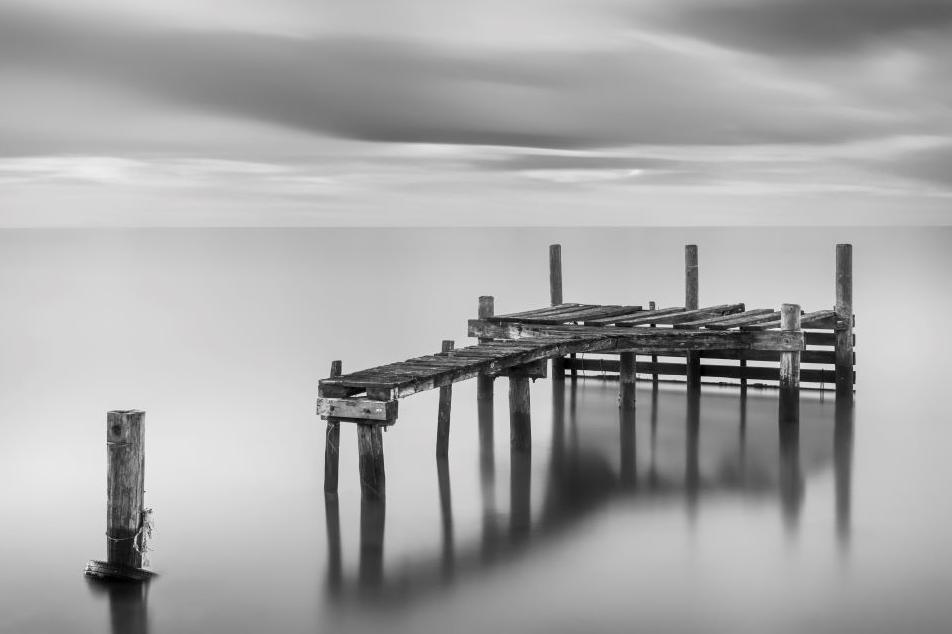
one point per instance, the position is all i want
(582, 314)
(357, 409)
(812, 319)
(727, 321)
(667, 368)
(554, 314)
(684, 316)
(443, 412)
(648, 339)
(535, 311)
(637, 314)
(806, 356)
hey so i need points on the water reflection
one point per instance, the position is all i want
(128, 604)
(726, 447)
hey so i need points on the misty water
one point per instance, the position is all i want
(683, 516)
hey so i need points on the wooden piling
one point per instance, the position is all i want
(844, 321)
(125, 486)
(627, 377)
(555, 294)
(443, 414)
(692, 359)
(373, 485)
(790, 368)
(373, 513)
(484, 382)
(332, 444)
(520, 426)
(654, 357)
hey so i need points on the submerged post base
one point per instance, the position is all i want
(117, 572)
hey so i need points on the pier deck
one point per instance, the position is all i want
(520, 344)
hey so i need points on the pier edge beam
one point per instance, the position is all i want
(790, 368)
(555, 295)
(484, 382)
(125, 441)
(627, 377)
(520, 422)
(332, 444)
(443, 413)
(692, 359)
(844, 321)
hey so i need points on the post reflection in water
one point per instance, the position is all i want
(128, 604)
(736, 456)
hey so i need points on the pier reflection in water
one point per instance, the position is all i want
(128, 604)
(724, 446)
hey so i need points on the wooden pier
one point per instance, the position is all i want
(519, 345)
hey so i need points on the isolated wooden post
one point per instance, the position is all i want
(520, 426)
(555, 294)
(443, 413)
(484, 382)
(373, 484)
(790, 367)
(332, 444)
(844, 321)
(627, 378)
(692, 359)
(125, 486)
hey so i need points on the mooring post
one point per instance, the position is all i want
(520, 426)
(844, 321)
(484, 382)
(692, 359)
(555, 293)
(790, 367)
(373, 484)
(125, 482)
(332, 444)
(127, 521)
(627, 378)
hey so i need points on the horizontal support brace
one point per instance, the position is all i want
(535, 370)
(357, 409)
(807, 375)
(649, 339)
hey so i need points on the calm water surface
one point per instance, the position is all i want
(682, 516)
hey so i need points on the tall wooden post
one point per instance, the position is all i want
(555, 294)
(520, 425)
(373, 483)
(790, 368)
(692, 359)
(443, 414)
(844, 321)
(487, 476)
(373, 512)
(125, 486)
(332, 445)
(654, 357)
(627, 378)
(484, 382)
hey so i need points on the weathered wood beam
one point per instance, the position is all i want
(646, 339)
(541, 311)
(818, 319)
(358, 409)
(520, 425)
(640, 314)
(691, 302)
(555, 273)
(484, 385)
(806, 356)
(627, 379)
(710, 370)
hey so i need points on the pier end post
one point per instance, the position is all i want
(332, 444)
(790, 368)
(373, 482)
(844, 321)
(692, 359)
(654, 357)
(484, 382)
(443, 413)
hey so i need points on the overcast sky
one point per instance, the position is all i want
(451, 112)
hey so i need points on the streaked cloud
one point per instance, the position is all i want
(333, 110)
